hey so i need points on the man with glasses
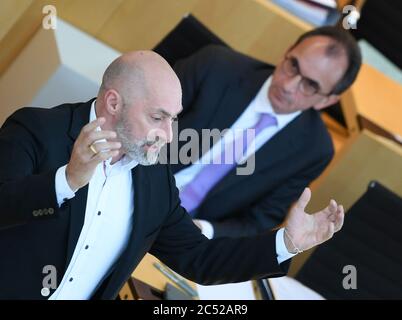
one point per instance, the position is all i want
(225, 89)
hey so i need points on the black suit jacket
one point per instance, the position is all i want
(218, 84)
(35, 233)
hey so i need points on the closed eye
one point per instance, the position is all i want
(295, 65)
(313, 84)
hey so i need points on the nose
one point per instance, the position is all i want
(168, 131)
(291, 84)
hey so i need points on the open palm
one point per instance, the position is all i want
(308, 230)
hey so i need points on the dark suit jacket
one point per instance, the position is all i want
(34, 232)
(218, 84)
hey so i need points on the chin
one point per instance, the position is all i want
(149, 158)
(277, 106)
(280, 107)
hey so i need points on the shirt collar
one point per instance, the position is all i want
(263, 105)
(92, 113)
(126, 162)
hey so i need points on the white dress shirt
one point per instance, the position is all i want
(248, 119)
(107, 225)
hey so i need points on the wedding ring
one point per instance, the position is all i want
(93, 149)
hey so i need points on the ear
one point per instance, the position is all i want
(113, 102)
(326, 102)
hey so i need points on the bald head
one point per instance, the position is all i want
(140, 75)
(140, 96)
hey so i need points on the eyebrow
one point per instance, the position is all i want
(167, 114)
(309, 79)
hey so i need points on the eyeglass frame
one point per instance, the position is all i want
(288, 58)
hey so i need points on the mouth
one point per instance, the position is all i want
(154, 146)
(282, 97)
(278, 94)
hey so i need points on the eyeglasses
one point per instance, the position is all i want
(306, 86)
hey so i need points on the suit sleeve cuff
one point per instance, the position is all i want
(282, 252)
(207, 228)
(63, 190)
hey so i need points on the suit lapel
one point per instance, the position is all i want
(141, 200)
(233, 101)
(277, 149)
(237, 97)
(80, 117)
(77, 217)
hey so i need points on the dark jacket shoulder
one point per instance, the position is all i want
(226, 61)
(42, 121)
(317, 133)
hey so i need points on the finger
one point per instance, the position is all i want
(333, 216)
(102, 156)
(94, 136)
(332, 207)
(105, 146)
(304, 199)
(340, 218)
(331, 210)
(331, 230)
(93, 125)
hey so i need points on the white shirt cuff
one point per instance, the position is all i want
(282, 252)
(207, 228)
(63, 190)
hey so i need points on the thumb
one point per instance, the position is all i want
(304, 199)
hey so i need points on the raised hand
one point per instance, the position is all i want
(304, 231)
(87, 154)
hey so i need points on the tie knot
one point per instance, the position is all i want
(266, 120)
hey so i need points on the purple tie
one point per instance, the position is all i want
(195, 191)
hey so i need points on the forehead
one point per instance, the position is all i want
(164, 105)
(315, 64)
(160, 93)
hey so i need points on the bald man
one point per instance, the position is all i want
(81, 202)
